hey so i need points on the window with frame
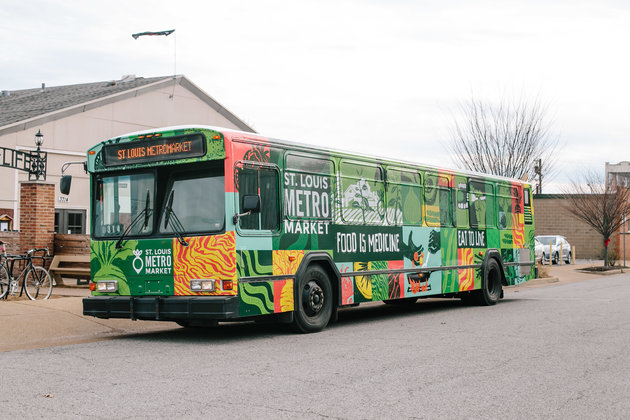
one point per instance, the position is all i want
(362, 193)
(438, 200)
(70, 221)
(504, 207)
(404, 197)
(461, 198)
(527, 206)
(481, 204)
(119, 200)
(259, 180)
(197, 202)
(308, 187)
(309, 164)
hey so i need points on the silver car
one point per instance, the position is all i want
(559, 247)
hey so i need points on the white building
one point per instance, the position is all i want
(75, 117)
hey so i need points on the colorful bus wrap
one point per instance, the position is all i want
(202, 224)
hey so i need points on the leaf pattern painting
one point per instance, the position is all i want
(106, 260)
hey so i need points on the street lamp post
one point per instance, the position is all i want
(38, 159)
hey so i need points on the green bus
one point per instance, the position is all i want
(198, 224)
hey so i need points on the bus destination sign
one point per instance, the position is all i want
(154, 150)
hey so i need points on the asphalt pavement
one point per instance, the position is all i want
(26, 324)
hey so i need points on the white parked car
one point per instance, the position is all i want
(538, 250)
(559, 246)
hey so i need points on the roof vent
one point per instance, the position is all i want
(128, 78)
(43, 87)
(5, 93)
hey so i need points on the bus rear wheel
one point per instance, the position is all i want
(491, 289)
(314, 304)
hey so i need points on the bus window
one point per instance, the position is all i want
(309, 164)
(461, 211)
(121, 199)
(517, 198)
(308, 187)
(504, 206)
(404, 197)
(198, 203)
(362, 194)
(438, 200)
(481, 204)
(527, 201)
(261, 180)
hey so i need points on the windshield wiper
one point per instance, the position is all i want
(146, 212)
(176, 224)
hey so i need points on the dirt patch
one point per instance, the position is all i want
(543, 271)
(598, 269)
(602, 269)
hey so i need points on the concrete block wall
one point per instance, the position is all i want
(551, 218)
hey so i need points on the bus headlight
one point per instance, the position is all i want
(109, 286)
(202, 285)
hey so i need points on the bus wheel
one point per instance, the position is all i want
(314, 305)
(491, 290)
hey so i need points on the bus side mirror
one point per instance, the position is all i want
(251, 203)
(64, 184)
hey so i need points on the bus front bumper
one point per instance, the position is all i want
(162, 308)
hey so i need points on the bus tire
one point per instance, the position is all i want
(314, 301)
(491, 290)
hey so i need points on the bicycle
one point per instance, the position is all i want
(35, 280)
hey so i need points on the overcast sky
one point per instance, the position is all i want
(383, 77)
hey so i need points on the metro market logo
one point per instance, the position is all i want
(154, 261)
(158, 261)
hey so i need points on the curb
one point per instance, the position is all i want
(535, 283)
(543, 280)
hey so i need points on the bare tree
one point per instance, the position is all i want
(507, 139)
(600, 205)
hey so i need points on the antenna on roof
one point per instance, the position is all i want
(165, 33)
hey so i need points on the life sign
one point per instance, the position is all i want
(154, 150)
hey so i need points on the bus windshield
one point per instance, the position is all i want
(196, 203)
(120, 200)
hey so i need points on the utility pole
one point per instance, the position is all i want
(538, 170)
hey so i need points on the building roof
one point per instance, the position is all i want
(21, 109)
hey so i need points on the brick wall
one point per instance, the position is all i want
(551, 218)
(37, 215)
(13, 242)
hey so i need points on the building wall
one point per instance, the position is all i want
(67, 139)
(551, 218)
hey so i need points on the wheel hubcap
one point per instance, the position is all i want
(312, 298)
